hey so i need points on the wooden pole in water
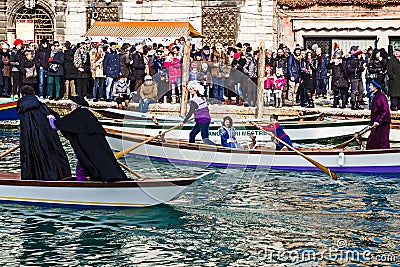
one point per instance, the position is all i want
(260, 81)
(185, 77)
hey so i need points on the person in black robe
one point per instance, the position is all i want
(87, 138)
(42, 154)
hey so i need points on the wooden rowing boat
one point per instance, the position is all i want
(130, 194)
(8, 111)
(394, 135)
(113, 113)
(306, 131)
(338, 160)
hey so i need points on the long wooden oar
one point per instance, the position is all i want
(130, 170)
(344, 144)
(154, 119)
(9, 151)
(129, 149)
(326, 170)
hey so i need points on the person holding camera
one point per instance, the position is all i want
(56, 70)
(339, 82)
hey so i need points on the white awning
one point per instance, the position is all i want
(376, 23)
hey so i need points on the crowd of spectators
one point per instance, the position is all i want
(110, 72)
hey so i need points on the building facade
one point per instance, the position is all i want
(346, 23)
(362, 22)
(219, 21)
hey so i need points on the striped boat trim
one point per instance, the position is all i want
(355, 169)
(8, 105)
(178, 144)
(238, 126)
(71, 202)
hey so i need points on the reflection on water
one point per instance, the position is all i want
(237, 218)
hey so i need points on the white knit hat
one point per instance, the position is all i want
(196, 86)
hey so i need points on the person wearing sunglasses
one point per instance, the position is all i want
(56, 70)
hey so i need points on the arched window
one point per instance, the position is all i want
(44, 23)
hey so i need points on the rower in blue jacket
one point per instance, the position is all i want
(228, 134)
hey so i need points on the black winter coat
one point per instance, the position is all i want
(16, 57)
(338, 71)
(70, 72)
(270, 61)
(237, 74)
(378, 66)
(42, 56)
(25, 63)
(124, 62)
(58, 59)
(281, 62)
(309, 73)
(393, 71)
(354, 68)
(138, 66)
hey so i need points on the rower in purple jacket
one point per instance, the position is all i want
(198, 107)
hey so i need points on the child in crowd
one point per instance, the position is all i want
(228, 134)
(268, 85)
(278, 131)
(193, 72)
(121, 92)
(175, 78)
(279, 83)
(205, 79)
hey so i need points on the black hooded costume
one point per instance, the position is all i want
(87, 138)
(42, 154)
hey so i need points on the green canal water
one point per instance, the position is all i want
(235, 218)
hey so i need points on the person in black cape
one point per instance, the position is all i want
(87, 138)
(42, 154)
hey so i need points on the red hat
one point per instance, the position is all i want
(18, 42)
(268, 67)
(358, 52)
